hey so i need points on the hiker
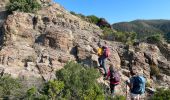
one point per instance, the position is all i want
(103, 53)
(114, 78)
(137, 85)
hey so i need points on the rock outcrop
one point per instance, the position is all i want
(43, 43)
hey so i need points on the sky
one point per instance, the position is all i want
(120, 10)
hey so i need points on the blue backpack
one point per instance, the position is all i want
(138, 85)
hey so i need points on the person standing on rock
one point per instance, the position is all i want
(103, 52)
(114, 78)
(137, 85)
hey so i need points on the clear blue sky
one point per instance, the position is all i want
(120, 10)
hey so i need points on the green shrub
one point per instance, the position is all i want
(9, 87)
(50, 90)
(154, 38)
(125, 37)
(119, 97)
(31, 93)
(162, 94)
(80, 82)
(23, 6)
(93, 19)
(116, 97)
(107, 33)
(53, 88)
(167, 37)
(72, 12)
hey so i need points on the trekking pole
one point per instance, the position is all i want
(126, 92)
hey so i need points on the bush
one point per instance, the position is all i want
(107, 33)
(72, 12)
(162, 94)
(167, 37)
(116, 97)
(119, 97)
(50, 91)
(31, 93)
(80, 83)
(93, 19)
(53, 88)
(30, 6)
(125, 37)
(9, 87)
(154, 38)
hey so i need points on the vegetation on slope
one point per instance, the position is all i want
(30, 6)
(108, 32)
(145, 28)
(73, 82)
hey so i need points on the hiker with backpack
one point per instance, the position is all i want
(114, 78)
(103, 53)
(137, 85)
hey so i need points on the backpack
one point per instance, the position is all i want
(106, 51)
(99, 51)
(114, 77)
(138, 85)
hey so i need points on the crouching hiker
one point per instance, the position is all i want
(137, 86)
(114, 78)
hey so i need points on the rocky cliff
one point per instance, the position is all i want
(36, 45)
(42, 43)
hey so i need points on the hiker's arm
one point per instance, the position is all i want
(129, 84)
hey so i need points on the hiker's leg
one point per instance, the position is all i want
(104, 66)
(112, 88)
(138, 97)
(134, 96)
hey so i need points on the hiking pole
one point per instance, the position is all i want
(126, 91)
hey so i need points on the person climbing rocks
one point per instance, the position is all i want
(103, 53)
(114, 78)
(137, 85)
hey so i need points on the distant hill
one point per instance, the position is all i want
(144, 27)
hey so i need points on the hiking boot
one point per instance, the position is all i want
(112, 94)
(104, 75)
